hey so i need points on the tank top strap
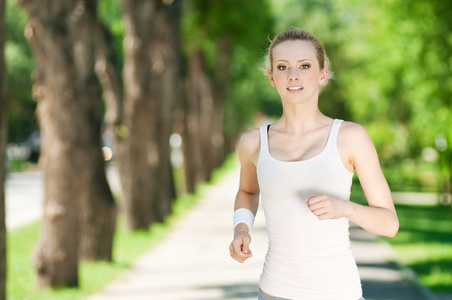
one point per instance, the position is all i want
(264, 140)
(332, 138)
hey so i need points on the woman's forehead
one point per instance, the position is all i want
(294, 50)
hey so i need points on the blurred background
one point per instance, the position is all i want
(391, 60)
(159, 91)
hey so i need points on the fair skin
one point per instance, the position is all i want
(301, 133)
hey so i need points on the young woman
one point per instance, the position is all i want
(302, 167)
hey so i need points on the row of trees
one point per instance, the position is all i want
(164, 78)
(142, 70)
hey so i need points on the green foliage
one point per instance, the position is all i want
(110, 15)
(392, 66)
(19, 67)
(250, 93)
(204, 23)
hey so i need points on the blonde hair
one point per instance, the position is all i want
(293, 34)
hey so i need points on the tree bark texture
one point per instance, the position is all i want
(197, 107)
(204, 104)
(221, 84)
(69, 116)
(137, 119)
(143, 137)
(110, 80)
(166, 47)
(205, 94)
(3, 115)
(97, 210)
(55, 90)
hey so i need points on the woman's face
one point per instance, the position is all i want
(296, 73)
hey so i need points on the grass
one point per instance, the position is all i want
(424, 242)
(20, 165)
(93, 275)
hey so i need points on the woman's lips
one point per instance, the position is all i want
(295, 88)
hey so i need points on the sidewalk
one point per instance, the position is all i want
(24, 195)
(193, 262)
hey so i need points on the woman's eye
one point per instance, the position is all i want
(282, 68)
(305, 66)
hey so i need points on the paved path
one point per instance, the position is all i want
(24, 193)
(193, 262)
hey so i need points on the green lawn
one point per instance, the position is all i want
(424, 243)
(92, 275)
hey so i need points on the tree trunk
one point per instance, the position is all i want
(69, 117)
(143, 136)
(56, 255)
(97, 207)
(3, 110)
(206, 122)
(198, 109)
(137, 120)
(204, 106)
(109, 78)
(166, 47)
(206, 91)
(221, 83)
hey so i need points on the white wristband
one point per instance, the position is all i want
(243, 215)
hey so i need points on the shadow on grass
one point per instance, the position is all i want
(424, 224)
(387, 290)
(424, 241)
(427, 268)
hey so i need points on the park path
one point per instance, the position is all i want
(24, 195)
(193, 262)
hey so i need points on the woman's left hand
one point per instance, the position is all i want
(326, 207)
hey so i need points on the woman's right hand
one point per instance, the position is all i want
(240, 246)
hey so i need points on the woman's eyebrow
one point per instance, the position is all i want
(301, 60)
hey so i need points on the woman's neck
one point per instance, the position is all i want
(301, 118)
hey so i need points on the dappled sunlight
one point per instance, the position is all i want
(108, 153)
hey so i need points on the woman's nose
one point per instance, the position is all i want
(293, 74)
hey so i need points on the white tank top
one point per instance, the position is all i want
(307, 258)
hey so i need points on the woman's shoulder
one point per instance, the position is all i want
(250, 139)
(352, 129)
(354, 136)
(249, 144)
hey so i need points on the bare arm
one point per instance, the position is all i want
(380, 216)
(248, 193)
(358, 153)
